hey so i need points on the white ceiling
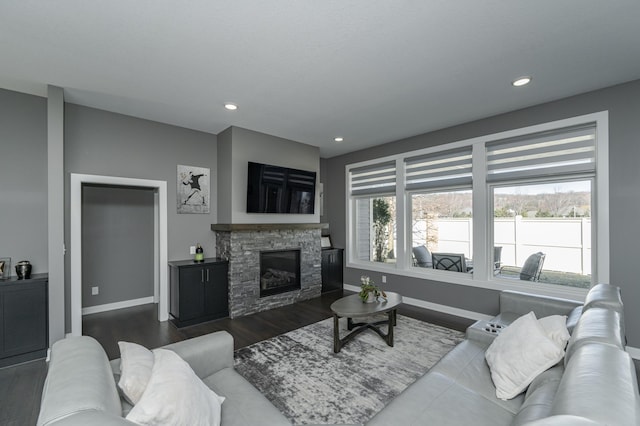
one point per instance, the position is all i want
(371, 71)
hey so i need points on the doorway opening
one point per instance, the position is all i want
(159, 188)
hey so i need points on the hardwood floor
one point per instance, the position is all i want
(21, 386)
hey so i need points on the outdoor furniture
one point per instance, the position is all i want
(449, 261)
(497, 256)
(532, 267)
(422, 257)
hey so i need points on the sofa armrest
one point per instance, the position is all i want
(93, 417)
(206, 354)
(523, 303)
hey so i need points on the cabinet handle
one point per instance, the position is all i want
(202, 275)
(207, 274)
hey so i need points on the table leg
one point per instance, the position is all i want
(390, 331)
(336, 334)
(395, 317)
(350, 324)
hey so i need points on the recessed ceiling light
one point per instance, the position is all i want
(338, 139)
(230, 106)
(521, 81)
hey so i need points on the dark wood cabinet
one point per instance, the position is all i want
(24, 325)
(198, 291)
(332, 269)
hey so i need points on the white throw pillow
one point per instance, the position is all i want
(518, 354)
(136, 363)
(555, 327)
(176, 396)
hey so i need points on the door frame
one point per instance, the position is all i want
(161, 288)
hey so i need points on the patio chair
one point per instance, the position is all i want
(532, 267)
(449, 261)
(422, 257)
(497, 262)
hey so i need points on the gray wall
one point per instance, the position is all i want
(246, 145)
(103, 143)
(225, 185)
(55, 211)
(623, 104)
(117, 244)
(23, 179)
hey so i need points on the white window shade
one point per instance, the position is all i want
(563, 152)
(443, 169)
(374, 179)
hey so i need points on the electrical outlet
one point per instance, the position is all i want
(94, 291)
(384, 278)
(192, 250)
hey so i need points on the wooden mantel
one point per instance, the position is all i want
(230, 227)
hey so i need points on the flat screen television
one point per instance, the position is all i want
(275, 189)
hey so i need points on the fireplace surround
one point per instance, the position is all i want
(242, 244)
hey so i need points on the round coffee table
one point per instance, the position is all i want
(353, 307)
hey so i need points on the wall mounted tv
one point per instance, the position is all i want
(275, 189)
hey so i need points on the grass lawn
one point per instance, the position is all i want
(553, 277)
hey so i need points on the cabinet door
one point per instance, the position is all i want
(24, 319)
(337, 278)
(216, 293)
(332, 270)
(325, 267)
(191, 292)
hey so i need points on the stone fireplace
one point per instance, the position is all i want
(245, 247)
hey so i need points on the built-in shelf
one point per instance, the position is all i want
(231, 227)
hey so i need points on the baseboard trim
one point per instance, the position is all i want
(462, 313)
(117, 305)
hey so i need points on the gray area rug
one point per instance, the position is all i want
(299, 373)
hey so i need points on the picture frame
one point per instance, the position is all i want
(193, 189)
(5, 268)
(325, 242)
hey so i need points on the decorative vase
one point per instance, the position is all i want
(371, 297)
(23, 270)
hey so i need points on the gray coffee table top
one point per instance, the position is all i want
(353, 306)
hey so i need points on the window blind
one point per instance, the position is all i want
(567, 151)
(374, 179)
(449, 168)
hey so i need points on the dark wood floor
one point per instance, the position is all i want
(140, 325)
(21, 386)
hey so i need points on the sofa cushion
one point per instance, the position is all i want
(519, 354)
(599, 384)
(436, 399)
(573, 318)
(244, 404)
(175, 395)
(465, 365)
(136, 363)
(539, 396)
(596, 325)
(76, 362)
(604, 296)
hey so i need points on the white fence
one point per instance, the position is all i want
(565, 241)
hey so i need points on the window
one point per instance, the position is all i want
(525, 208)
(440, 216)
(374, 212)
(375, 231)
(549, 218)
(542, 219)
(443, 223)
